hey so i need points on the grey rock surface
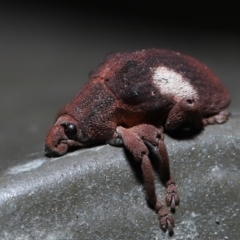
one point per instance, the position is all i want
(96, 193)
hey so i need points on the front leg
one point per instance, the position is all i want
(133, 139)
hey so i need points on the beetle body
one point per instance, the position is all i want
(130, 99)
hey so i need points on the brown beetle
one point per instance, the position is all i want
(130, 99)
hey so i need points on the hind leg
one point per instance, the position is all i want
(186, 111)
(219, 118)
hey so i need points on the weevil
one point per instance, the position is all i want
(131, 99)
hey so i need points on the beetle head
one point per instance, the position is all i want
(65, 134)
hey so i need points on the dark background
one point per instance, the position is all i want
(47, 49)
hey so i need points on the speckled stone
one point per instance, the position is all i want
(96, 193)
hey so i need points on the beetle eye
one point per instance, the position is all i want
(70, 130)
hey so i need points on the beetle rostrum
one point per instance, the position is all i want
(131, 99)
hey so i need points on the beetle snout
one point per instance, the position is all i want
(55, 145)
(50, 153)
(56, 150)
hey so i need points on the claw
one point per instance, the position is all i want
(172, 198)
(166, 222)
(170, 226)
(173, 205)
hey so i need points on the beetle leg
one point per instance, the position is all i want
(166, 221)
(115, 140)
(172, 198)
(185, 111)
(221, 117)
(133, 139)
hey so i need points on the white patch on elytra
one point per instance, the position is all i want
(172, 83)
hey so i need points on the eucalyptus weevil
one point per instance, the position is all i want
(130, 100)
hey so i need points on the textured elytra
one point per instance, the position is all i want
(137, 68)
(131, 99)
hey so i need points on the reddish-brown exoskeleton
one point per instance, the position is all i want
(130, 99)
